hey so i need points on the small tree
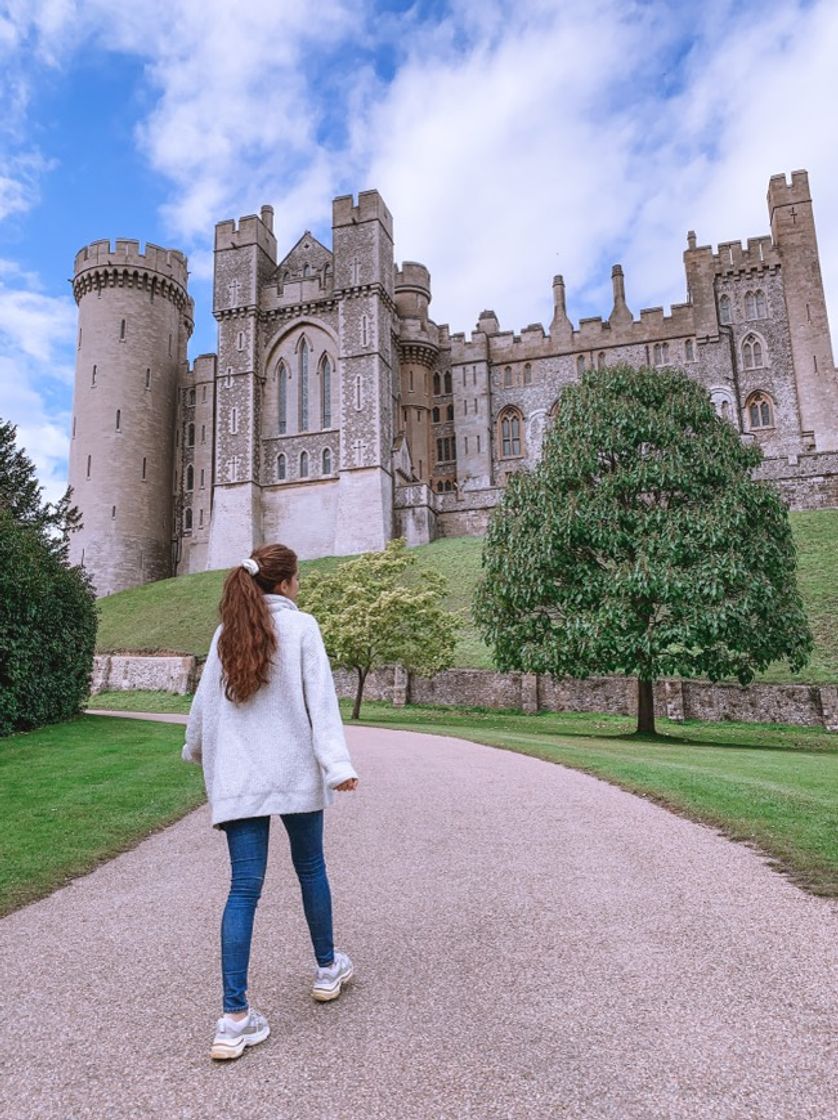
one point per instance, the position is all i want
(377, 609)
(47, 609)
(641, 545)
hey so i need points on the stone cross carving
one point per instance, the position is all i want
(359, 449)
(234, 291)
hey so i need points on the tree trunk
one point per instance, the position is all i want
(645, 707)
(359, 692)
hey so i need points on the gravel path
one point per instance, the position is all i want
(529, 941)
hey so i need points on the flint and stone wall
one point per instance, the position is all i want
(798, 704)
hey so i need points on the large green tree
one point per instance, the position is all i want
(379, 609)
(641, 545)
(47, 608)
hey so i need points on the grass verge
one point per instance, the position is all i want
(771, 786)
(78, 793)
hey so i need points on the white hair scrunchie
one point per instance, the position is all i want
(250, 566)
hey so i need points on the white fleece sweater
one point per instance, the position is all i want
(283, 750)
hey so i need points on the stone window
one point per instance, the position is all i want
(435, 415)
(170, 344)
(89, 463)
(191, 396)
(148, 378)
(327, 461)
(365, 331)
(302, 388)
(190, 435)
(190, 477)
(280, 468)
(203, 433)
(509, 424)
(689, 350)
(418, 414)
(200, 519)
(229, 382)
(74, 427)
(325, 392)
(755, 305)
(93, 377)
(282, 376)
(79, 345)
(580, 364)
(122, 331)
(187, 521)
(410, 381)
(752, 354)
(203, 398)
(303, 464)
(439, 488)
(202, 478)
(661, 353)
(507, 378)
(145, 467)
(528, 374)
(359, 397)
(759, 411)
(234, 421)
(449, 412)
(447, 382)
(446, 449)
(437, 385)
(240, 341)
(119, 420)
(448, 486)
(113, 513)
(600, 360)
(725, 317)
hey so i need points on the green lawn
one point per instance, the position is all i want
(78, 793)
(179, 615)
(771, 786)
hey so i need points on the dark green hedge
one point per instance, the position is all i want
(47, 631)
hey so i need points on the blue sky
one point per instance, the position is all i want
(510, 140)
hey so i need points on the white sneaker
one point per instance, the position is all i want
(230, 1040)
(329, 981)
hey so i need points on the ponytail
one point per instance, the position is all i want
(247, 643)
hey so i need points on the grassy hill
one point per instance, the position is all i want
(179, 615)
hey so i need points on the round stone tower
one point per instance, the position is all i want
(135, 319)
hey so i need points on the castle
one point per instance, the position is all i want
(337, 414)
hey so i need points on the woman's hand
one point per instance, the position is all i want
(349, 784)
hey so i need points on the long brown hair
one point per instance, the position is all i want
(248, 638)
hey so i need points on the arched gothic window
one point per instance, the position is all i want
(439, 487)
(580, 364)
(510, 433)
(507, 377)
(752, 357)
(190, 435)
(600, 361)
(437, 385)
(190, 477)
(325, 392)
(689, 350)
(302, 388)
(755, 306)
(280, 468)
(187, 520)
(448, 388)
(282, 377)
(449, 412)
(327, 461)
(303, 464)
(661, 353)
(435, 416)
(760, 411)
(528, 374)
(724, 310)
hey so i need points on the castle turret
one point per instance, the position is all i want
(620, 314)
(793, 232)
(135, 319)
(418, 354)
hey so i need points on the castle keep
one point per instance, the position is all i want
(337, 414)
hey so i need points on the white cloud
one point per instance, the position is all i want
(36, 339)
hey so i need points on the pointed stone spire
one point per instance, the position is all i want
(619, 313)
(560, 325)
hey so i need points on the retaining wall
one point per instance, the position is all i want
(802, 704)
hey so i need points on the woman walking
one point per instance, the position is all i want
(266, 727)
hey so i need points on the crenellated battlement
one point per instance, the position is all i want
(781, 192)
(252, 229)
(126, 253)
(761, 253)
(369, 208)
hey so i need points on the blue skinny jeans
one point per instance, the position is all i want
(247, 841)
